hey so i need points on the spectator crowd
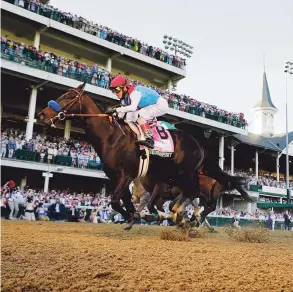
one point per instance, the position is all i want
(30, 56)
(66, 205)
(263, 179)
(100, 31)
(32, 204)
(47, 147)
(99, 76)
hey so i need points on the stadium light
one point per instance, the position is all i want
(288, 71)
(178, 46)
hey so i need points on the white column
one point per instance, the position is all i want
(103, 191)
(220, 202)
(37, 40)
(221, 152)
(23, 183)
(281, 200)
(31, 113)
(278, 167)
(109, 65)
(170, 85)
(232, 159)
(256, 164)
(67, 129)
(249, 207)
(47, 176)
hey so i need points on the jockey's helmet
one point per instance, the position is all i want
(118, 81)
(117, 86)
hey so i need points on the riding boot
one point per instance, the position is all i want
(148, 134)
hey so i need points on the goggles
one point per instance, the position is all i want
(116, 89)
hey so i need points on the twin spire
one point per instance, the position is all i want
(266, 100)
(264, 111)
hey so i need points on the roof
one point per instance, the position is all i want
(281, 139)
(276, 143)
(266, 100)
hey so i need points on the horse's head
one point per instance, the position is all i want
(68, 103)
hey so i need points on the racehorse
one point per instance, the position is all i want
(116, 146)
(210, 190)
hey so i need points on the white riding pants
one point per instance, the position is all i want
(150, 112)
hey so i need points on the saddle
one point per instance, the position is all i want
(164, 145)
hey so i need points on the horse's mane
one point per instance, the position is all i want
(102, 106)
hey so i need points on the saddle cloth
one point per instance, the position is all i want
(164, 145)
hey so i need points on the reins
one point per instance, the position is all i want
(62, 114)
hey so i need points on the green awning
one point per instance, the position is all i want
(266, 205)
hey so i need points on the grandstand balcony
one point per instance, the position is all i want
(53, 36)
(52, 168)
(34, 76)
(48, 35)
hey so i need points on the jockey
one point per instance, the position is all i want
(143, 102)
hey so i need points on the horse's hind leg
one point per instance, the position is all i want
(190, 190)
(158, 189)
(189, 186)
(177, 207)
(209, 207)
(159, 204)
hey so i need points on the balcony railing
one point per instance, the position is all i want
(28, 155)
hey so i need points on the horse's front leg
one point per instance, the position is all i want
(126, 199)
(120, 186)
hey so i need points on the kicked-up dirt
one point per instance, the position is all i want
(48, 256)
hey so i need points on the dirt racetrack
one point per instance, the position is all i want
(38, 256)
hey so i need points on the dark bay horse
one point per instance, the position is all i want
(119, 153)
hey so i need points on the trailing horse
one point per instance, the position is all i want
(120, 155)
(212, 182)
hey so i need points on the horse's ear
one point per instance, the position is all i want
(81, 87)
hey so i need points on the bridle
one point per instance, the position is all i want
(62, 111)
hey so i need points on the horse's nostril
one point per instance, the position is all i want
(42, 116)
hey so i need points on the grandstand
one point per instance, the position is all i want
(43, 55)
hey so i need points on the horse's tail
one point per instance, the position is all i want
(212, 169)
(201, 159)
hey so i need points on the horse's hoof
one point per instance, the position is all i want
(194, 223)
(131, 223)
(184, 223)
